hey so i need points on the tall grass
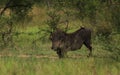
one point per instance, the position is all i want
(71, 66)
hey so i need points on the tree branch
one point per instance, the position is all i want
(6, 6)
(10, 6)
(17, 6)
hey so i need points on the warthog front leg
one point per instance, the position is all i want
(62, 53)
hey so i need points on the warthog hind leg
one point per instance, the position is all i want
(88, 45)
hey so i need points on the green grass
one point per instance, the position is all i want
(69, 66)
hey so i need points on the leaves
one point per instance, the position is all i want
(53, 20)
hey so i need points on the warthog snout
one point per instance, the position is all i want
(56, 46)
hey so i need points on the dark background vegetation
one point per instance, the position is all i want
(102, 16)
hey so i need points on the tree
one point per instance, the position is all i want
(19, 10)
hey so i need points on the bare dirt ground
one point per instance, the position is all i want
(36, 56)
(28, 56)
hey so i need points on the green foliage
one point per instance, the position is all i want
(112, 45)
(2, 22)
(103, 30)
(20, 9)
(115, 16)
(6, 31)
(87, 8)
(53, 20)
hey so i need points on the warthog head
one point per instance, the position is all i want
(57, 37)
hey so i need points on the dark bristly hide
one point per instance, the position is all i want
(63, 42)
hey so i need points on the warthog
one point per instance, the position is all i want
(63, 42)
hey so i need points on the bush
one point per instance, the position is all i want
(53, 20)
(104, 30)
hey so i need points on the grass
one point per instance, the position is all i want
(69, 66)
